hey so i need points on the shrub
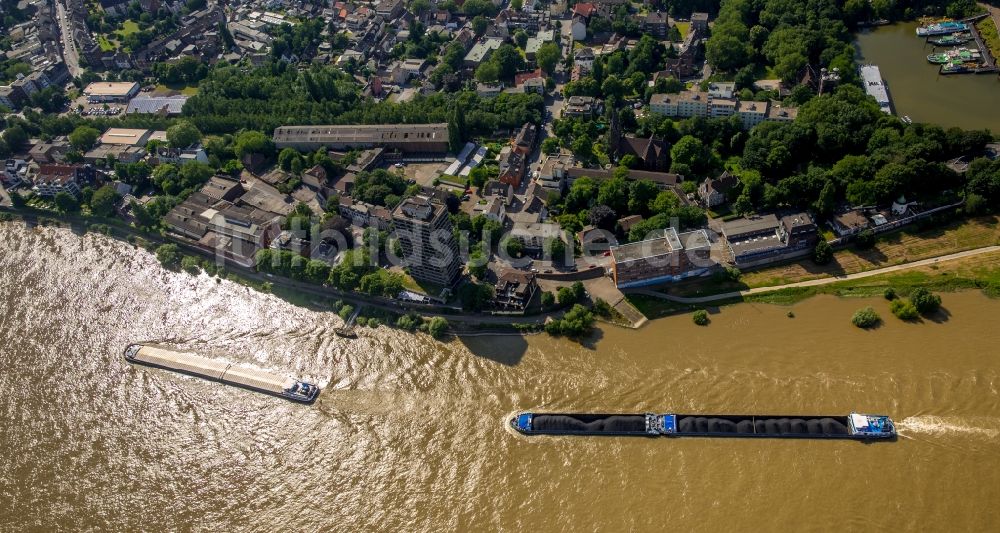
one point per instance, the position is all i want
(924, 301)
(548, 300)
(700, 317)
(168, 255)
(437, 327)
(865, 239)
(904, 310)
(866, 318)
(823, 253)
(409, 322)
(602, 308)
(889, 294)
(346, 311)
(191, 264)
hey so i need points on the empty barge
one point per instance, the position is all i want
(223, 372)
(853, 426)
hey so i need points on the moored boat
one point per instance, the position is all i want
(223, 372)
(942, 28)
(853, 426)
(954, 39)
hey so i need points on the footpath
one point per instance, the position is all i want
(815, 282)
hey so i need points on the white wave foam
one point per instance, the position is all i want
(936, 425)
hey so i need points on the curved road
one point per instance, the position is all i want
(815, 282)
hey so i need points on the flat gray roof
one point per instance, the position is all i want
(372, 133)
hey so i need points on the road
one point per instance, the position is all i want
(70, 54)
(815, 282)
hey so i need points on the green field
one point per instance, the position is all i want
(186, 90)
(683, 27)
(105, 44)
(128, 28)
(988, 31)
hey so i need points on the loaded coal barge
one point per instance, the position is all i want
(853, 426)
(223, 372)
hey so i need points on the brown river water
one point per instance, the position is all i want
(409, 434)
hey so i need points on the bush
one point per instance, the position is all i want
(409, 322)
(548, 299)
(889, 294)
(924, 301)
(437, 327)
(866, 318)
(191, 264)
(865, 239)
(700, 317)
(602, 308)
(576, 323)
(346, 311)
(168, 255)
(904, 310)
(823, 253)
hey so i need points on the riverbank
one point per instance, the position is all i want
(967, 273)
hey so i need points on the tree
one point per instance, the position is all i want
(602, 217)
(479, 24)
(66, 202)
(169, 255)
(16, 138)
(904, 310)
(83, 138)
(252, 142)
(866, 318)
(925, 301)
(700, 317)
(549, 146)
(456, 128)
(103, 202)
(437, 326)
(479, 176)
(548, 299)
(556, 249)
(488, 72)
(183, 134)
(690, 151)
(514, 247)
(516, 5)
(521, 38)
(822, 253)
(865, 239)
(478, 265)
(548, 56)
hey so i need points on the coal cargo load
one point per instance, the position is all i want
(589, 423)
(761, 426)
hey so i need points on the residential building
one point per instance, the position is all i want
(663, 104)
(693, 104)
(666, 257)
(582, 106)
(552, 176)
(849, 223)
(512, 167)
(425, 234)
(584, 58)
(776, 113)
(515, 289)
(51, 180)
(752, 113)
(722, 107)
(663, 180)
(534, 236)
(656, 24)
(489, 90)
(712, 192)
(722, 89)
(761, 237)
(578, 28)
(407, 138)
(481, 51)
(699, 24)
(109, 91)
(524, 143)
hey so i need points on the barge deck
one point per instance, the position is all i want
(853, 426)
(223, 372)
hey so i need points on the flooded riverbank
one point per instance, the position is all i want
(917, 90)
(409, 433)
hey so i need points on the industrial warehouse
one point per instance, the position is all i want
(407, 138)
